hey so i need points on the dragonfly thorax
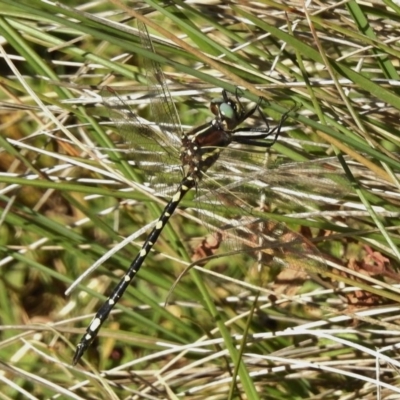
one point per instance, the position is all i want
(201, 148)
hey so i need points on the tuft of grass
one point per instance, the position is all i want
(69, 195)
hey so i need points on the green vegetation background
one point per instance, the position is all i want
(68, 196)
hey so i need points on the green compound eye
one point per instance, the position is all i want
(227, 110)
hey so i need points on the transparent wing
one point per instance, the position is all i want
(293, 186)
(145, 140)
(156, 145)
(231, 201)
(162, 106)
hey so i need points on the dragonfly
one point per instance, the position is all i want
(197, 151)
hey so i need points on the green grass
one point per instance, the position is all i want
(68, 195)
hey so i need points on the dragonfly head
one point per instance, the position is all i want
(226, 110)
